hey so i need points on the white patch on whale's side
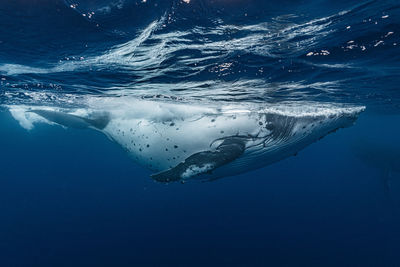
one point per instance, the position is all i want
(185, 140)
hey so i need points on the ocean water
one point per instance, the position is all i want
(71, 197)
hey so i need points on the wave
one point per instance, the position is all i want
(210, 50)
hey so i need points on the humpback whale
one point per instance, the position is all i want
(382, 156)
(184, 140)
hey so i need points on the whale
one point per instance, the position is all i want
(182, 140)
(381, 155)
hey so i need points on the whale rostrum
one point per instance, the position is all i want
(180, 141)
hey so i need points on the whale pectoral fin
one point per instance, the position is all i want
(194, 165)
(203, 162)
(99, 121)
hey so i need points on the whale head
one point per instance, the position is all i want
(285, 131)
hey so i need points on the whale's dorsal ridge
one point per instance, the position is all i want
(97, 120)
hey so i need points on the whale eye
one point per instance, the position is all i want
(270, 127)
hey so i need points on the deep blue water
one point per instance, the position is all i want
(73, 198)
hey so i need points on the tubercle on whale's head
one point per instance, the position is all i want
(309, 121)
(330, 123)
(350, 116)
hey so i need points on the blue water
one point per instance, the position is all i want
(73, 198)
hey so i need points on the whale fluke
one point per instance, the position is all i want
(203, 162)
(98, 121)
